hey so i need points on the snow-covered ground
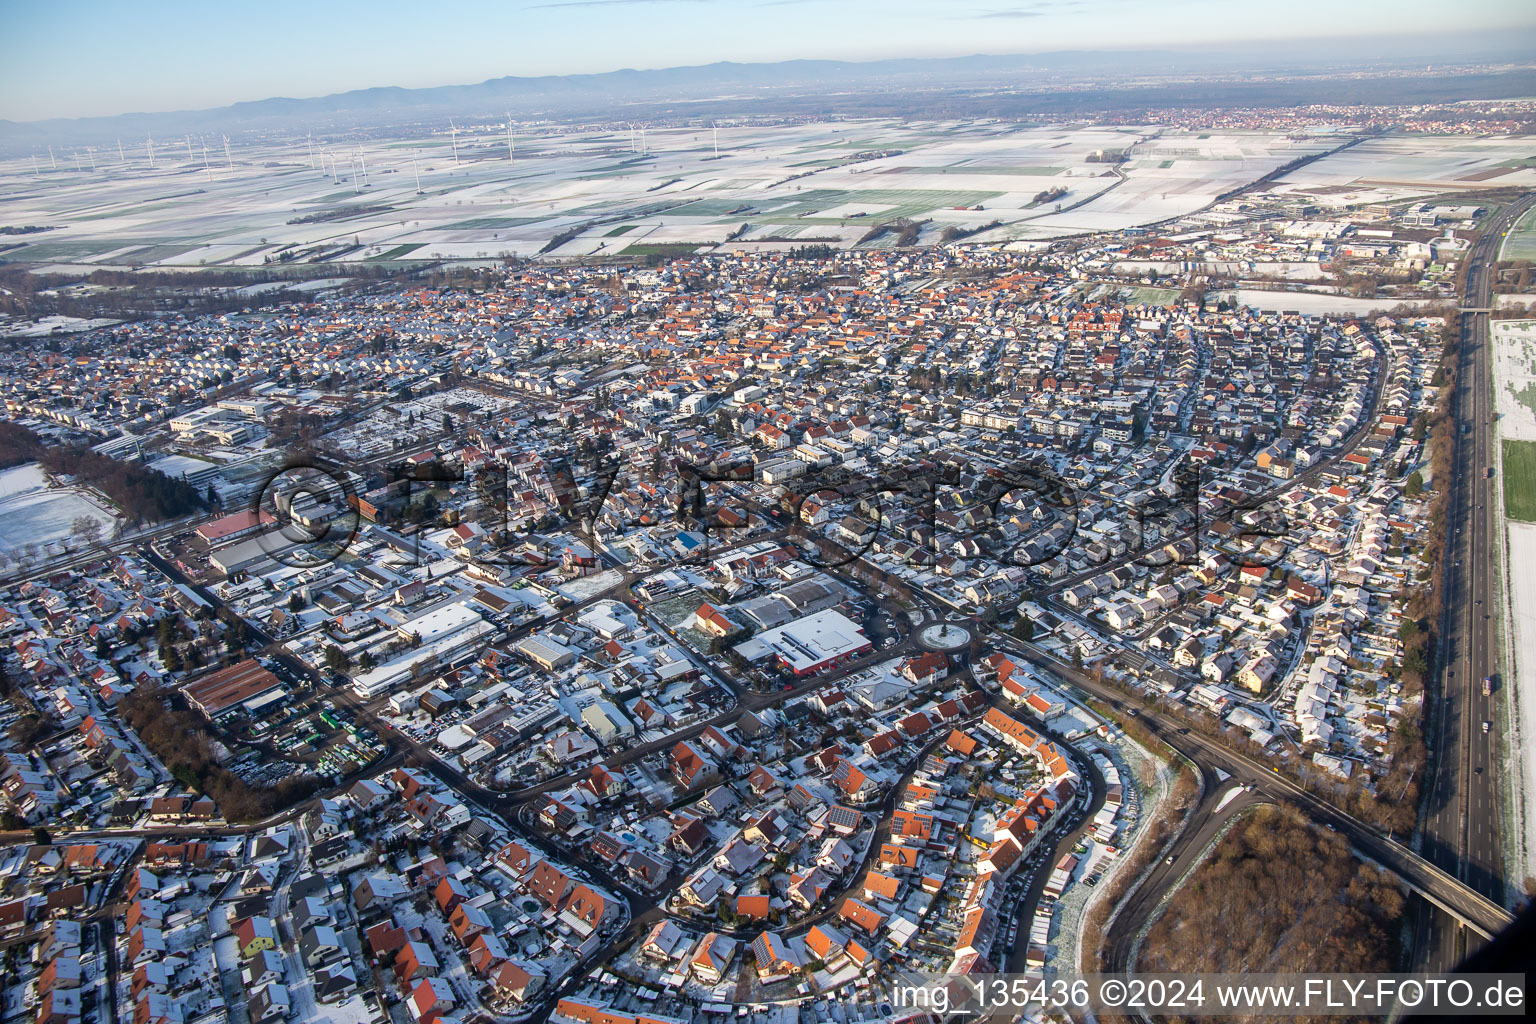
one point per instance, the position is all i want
(52, 325)
(1316, 303)
(584, 587)
(20, 479)
(33, 513)
(1514, 375)
(1517, 691)
(1146, 782)
(1514, 299)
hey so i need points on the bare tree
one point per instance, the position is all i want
(86, 528)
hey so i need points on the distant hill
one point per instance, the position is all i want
(1069, 83)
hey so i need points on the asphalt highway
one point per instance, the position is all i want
(1490, 916)
(1461, 824)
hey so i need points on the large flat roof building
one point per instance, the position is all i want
(816, 642)
(234, 526)
(246, 684)
(439, 623)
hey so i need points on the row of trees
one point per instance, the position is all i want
(143, 493)
(1513, 276)
(180, 739)
(153, 293)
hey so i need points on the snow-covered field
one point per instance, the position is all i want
(1514, 378)
(52, 324)
(1407, 167)
(1314, 303)
(1514, 299)
(21, 479)
(33, 513)
(1514, 375)
(1518, 689)
(820, 180)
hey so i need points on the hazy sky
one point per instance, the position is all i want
(69, 58)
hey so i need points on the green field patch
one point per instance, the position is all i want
(871, 145)
(134, 209)
(711, 208)
(622, 229)
(156, 253)
(1165, 165)
(1520, 243)
(602, 175)
(77, 252)
(667, 249)
(1025, 170)
(903, 202)
(400, 250)
(492, 223)
(1151, 296)
(1526, 396)
(334, 197)
(1519, 465)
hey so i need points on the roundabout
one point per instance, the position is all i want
(944, 636)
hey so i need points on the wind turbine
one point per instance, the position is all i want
(231, 160)
(149, 147)
(356, 185)
(35, 172)
(78, 165)
(309, 145)
(122, 157)
(190, 157)
(54, 164)
(453, 133)
(511, 150)
(716, 129)
(363, 160)
(205, 162)
(90, 155)
(416, 171)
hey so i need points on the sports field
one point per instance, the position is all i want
(1519, 466)
(1520, 244)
